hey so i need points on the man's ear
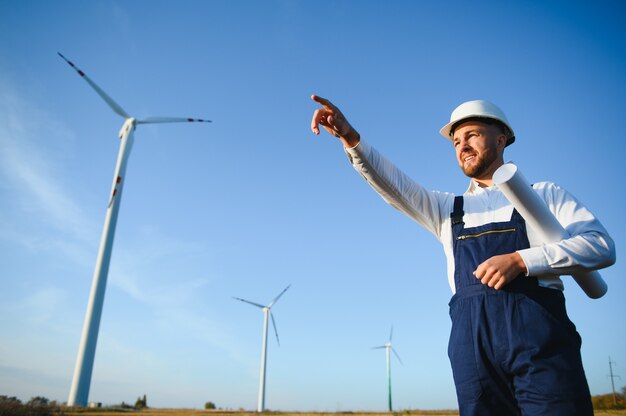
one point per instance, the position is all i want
(501, 141)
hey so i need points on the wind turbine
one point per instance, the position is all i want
(267, 313)
(388, 349)
(79, 392)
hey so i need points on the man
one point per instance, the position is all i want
(512, 348)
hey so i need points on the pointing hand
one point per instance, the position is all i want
(334, 122)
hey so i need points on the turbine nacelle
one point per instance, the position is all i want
(267, 309)
(128, 126)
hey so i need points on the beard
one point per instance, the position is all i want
(482, 165)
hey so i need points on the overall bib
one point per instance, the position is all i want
(513, 351)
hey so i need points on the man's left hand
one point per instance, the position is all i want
(500, 270)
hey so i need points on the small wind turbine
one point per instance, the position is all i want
(81, 381)
(388, 349)
(267, 313)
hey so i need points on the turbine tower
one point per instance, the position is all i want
(267, 313)
(79, 392)
(388, 349)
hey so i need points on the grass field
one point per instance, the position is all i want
(197, 412)
(191, 412)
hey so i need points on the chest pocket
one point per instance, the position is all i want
(474, 245)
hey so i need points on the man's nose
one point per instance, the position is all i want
(463, 145)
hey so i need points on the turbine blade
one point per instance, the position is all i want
(277, 297)
(251, 303)
(114, 106)
(151, 120)
(379, 348)
(396, 354)
(274, 325)
(391, 333)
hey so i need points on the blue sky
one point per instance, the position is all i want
(254, 202)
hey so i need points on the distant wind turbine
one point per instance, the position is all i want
(388, 349)
(267, 313)
(79, 392)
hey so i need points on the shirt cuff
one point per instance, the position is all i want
(535, 261)
(356, 153)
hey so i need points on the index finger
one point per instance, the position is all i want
(322, 101)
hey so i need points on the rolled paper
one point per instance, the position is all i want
(537, 215)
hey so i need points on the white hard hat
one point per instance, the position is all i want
(477, 110)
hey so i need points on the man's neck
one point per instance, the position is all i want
(486, 180)
(484, 183)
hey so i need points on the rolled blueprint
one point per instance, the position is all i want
(537, 215)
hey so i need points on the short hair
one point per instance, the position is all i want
(485, 120)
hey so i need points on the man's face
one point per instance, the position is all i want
(478, 148)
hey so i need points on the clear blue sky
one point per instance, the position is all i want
(254, 202)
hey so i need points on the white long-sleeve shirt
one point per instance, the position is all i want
(589, 247)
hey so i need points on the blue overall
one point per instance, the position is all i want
(513, 351)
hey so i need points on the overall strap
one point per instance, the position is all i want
(457, 213)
